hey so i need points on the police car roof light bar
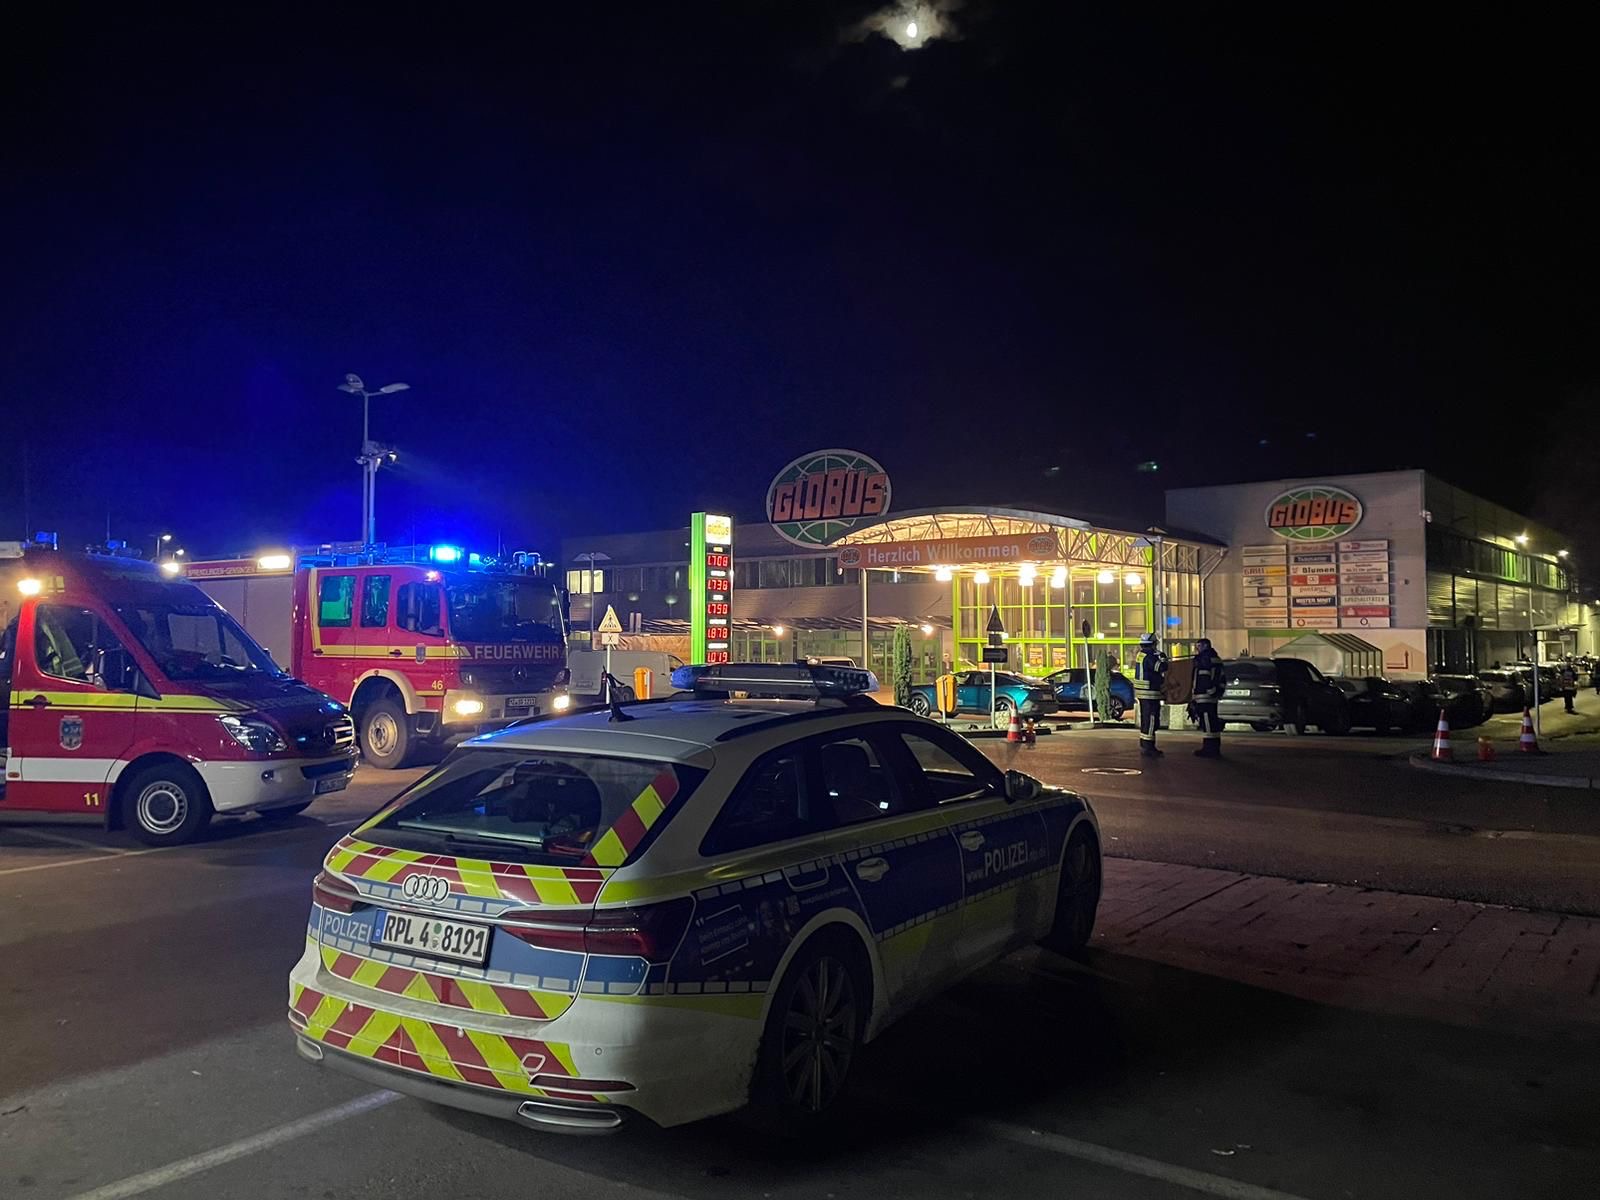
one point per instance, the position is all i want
(784, 681)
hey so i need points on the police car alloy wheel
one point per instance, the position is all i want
(813, 1032)
(1078, 897)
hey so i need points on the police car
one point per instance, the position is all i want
(677, 907)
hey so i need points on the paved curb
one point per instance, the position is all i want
(1421, 760)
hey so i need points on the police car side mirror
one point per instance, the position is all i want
(1020, 787)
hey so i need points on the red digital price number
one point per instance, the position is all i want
(717, 608)
(716, 656)
(719, 560)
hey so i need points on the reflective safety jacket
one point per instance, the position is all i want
(1149, 673)
(1208, 682)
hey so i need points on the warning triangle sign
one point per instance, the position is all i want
(609, 623)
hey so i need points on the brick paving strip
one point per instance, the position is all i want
(1452, 960)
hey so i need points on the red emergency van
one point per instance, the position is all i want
(427, 645)
(133, 697)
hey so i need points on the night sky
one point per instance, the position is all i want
(632, 259)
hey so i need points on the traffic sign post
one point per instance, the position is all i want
(610, 631)
(994, 652)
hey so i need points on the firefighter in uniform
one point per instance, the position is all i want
(1149, 673)
(1208, 686)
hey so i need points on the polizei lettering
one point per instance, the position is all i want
(346, 928)
(518, 652)
(1005, 858)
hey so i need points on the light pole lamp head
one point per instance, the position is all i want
(392, 387)
(352, 384)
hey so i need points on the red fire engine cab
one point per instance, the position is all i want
(131, 697)
(426, 644)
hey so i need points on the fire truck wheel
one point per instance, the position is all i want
(166, 804)
(386, 738)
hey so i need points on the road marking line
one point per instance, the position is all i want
(1134, 1164)
(80, 843)
(135, 1185)
(114, 853)
(74, 862)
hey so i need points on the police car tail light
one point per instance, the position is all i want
(650, 931)
(332, 892)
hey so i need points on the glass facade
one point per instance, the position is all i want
(1053, 622)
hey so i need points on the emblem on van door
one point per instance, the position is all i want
(71, 733)
(431, 889)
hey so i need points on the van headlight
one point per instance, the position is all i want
(561, 703)
(254, 734)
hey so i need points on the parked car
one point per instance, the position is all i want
(1273, 693)
(1475, 700)
(1029, 697)
(1376, 703)
(1074, 690)
(1506, 690)
(1463, 707)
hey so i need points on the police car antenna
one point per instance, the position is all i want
(614, 697)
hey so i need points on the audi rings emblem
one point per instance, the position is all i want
(432, 889)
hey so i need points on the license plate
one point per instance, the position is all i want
(1237, 692)
(522, 701)
(333, 783)
(432, 936)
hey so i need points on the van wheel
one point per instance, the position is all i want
(1077, 896)
(814, 1031)
(166, 804)
(386, 738)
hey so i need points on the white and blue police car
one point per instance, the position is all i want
(678, 907)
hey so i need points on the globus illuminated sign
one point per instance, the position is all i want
(1316, 513)
(821, 496)
(710, 588)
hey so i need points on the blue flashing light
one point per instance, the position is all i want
(1173, 619)
(444, 554)
(796, 681)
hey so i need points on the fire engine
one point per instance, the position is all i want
(131, 697)
(426, 644)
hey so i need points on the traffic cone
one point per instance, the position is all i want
(1014, 729)
(1527, 743)
(1485, 749)
(1030, 733)
(1441, 740)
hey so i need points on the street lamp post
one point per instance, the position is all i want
(372, 455)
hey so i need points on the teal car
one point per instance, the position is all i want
(1012, 692)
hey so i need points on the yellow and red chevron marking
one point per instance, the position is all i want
(443, 1051)
(497, 999)
(515, 883)
(628, 830)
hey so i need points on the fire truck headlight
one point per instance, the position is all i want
(467, 707)
(561, 703)
(29, 587)
(253, 734)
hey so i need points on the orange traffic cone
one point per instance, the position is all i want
(1030, 733)
(1014, 729)
(1441, 740)
(1527, 743)
(1485, 750)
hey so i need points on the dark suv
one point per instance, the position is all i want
(1269, 693)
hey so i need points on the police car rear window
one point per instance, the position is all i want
(541, 807)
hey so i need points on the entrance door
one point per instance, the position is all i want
(72, 717)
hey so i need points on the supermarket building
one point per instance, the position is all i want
(1419, 572)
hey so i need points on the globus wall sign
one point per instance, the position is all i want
(1317, 513)
(821, 496)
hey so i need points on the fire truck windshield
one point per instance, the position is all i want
(197, 642)
(497, 608)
